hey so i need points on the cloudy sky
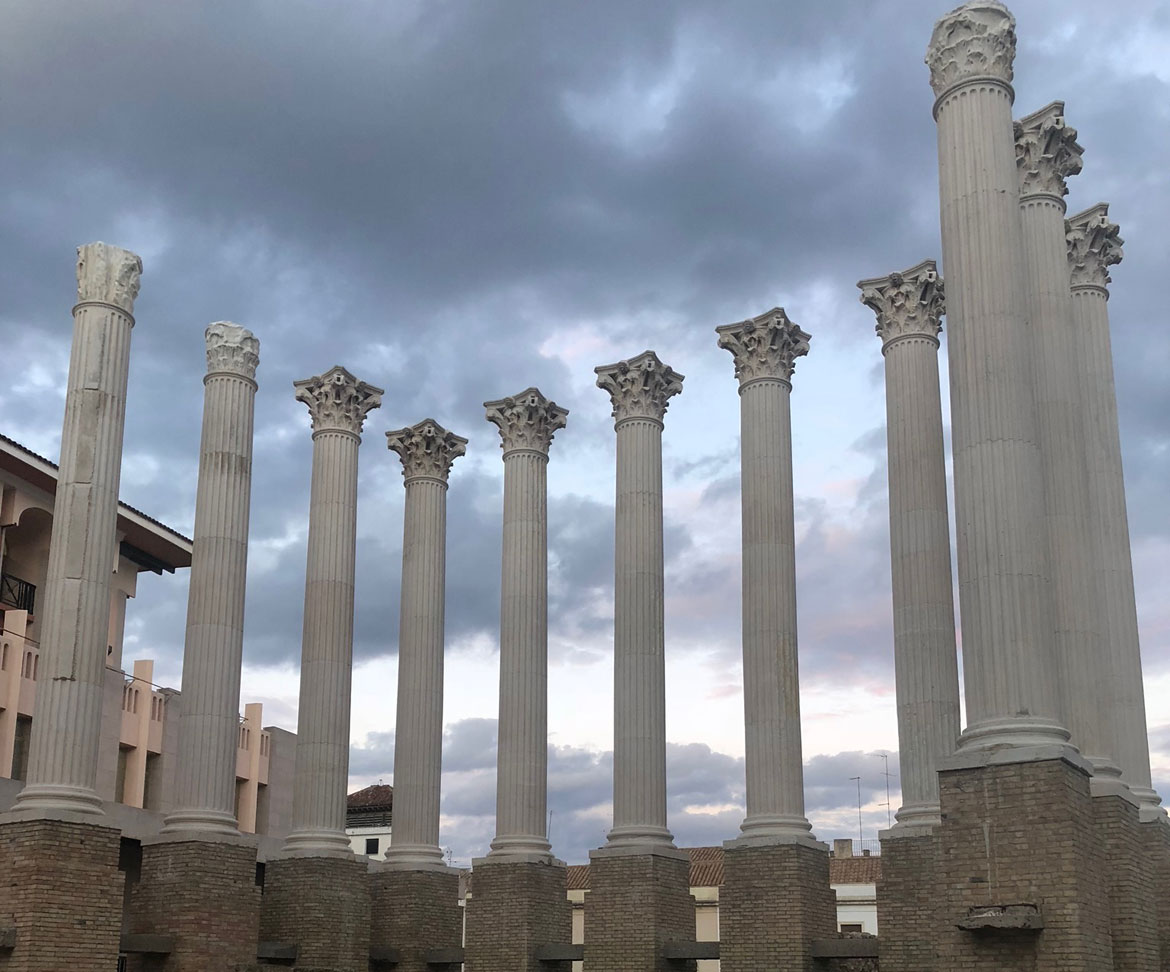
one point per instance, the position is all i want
(458, 200)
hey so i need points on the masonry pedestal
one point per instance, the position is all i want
(515, 907)
(1156, 843)
(775, 901)
(61, 889)
(1021, 834)
(203, 894)
(321, 905)
(637, 903)
(908, 900)
(1132, 909)
(415, 913)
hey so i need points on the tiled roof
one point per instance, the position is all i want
(577, 878)
(854, 870)
(377, 797)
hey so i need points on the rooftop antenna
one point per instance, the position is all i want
(548, 827)
(857, 779)
(886, 773)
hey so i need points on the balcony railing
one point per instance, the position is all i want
(18, 593)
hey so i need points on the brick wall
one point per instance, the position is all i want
(907, 903)
(1156, 842)
(1023, 833)
(415, 912)
(636, 904)
(514, 908)
(775, 901)
(322, 905)
(1128, 871)
(61, 888)
(205, 895)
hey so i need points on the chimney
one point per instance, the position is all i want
(843, 847)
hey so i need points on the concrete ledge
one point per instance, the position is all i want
(147, 944)
(7, 939)
(444, 956)
(684, 951)
(560, 953)
(845, 948)
(277, 950)
(385, 954)
(1018, 917)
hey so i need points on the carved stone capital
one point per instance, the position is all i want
(526, 421)
(337, 401)
(910, 302)
(639, 387)
(764, 347)
(976, 40)
(1094, 245)
(232, 349)
(108, 275)
(1047, 152)
(426, 449)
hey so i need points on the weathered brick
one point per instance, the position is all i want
(1128, 871)
(908, 900)
(514, 908)
(415, 912)
(1156, 842)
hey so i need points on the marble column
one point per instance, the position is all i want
(1047, 153)
(640, 389)
(62, 769)
(765, 350)
(527, 423)
(338, 404)
(427, 451)
(205, 785)
(1094, 245)
(1004, 590)
(909, 308)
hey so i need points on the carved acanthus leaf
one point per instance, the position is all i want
(526, 421)
(108, 274)
(977, 39)
(910, 302)
(639, 387)
(337, 400)
(764, 347)
(1094, 245)
(1047, 152)
(231, 348)
(426, 449)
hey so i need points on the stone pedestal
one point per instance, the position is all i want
(204, 895)
(61, 889)
(1016, 833)
(321, 905)
(908, 899)
(1129, 874)
(774, 903)
(415, 912)
(1156, 843)
(515, 907)
(636, 904)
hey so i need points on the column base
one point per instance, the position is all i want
(321, 905)
(637, 902)
(1132, 909)
(774, 903)
(60, 888)
(203, 894)
(514, 908)
(908, 899)
(1156, 844)
(1021, 834)
(415, 912)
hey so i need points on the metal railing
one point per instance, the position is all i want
(18, 593)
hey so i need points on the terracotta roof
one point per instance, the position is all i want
(577, 878)
(377, 797)
(854, 870)
(706, 866)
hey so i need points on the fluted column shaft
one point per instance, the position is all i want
(83, 551)
(205, 785)
(1007, 619)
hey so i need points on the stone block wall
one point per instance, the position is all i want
(321, 905)
(61, 889)
(1022, 833)
(907, 902)
(636, 904)
(1128, 871)
(514, 908)
(203, 894)
(415, 912)
(775, 901)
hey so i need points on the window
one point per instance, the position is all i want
(4, 657)
(20, 747)
(846, 928)
(371, 845)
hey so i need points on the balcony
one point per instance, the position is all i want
(17, 593)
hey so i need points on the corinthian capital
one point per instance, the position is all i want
(764, 347)
(639, 387)
(1094, 245)
(232, 349)
(910, 302)
(526, 421)
(976, 40)
(108, 275)
(337, 401)
(426, 449)
(1047, 152)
